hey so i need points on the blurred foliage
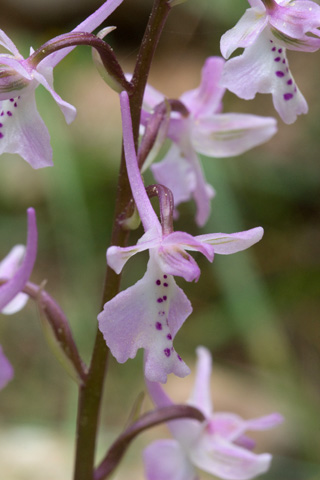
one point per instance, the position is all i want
(258, 311)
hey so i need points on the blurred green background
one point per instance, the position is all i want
(257, 311)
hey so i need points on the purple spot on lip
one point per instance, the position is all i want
(169, 337)
(279, 74)
(15, 104)
(284, 60)
(287, 96)
(1, 125)
(280, 50)
(1, 135)
(9, 113)
(11, 99)
(167, 352)
(277, 59)
(165, 276)
(159, 300)
(2, 113)
(158, 282)
(165, 284)
(289, 82)
(158, 326)
(179, 358)
(161, 313)
(274, 49)
(164, 298)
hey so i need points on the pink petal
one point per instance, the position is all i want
(228, 461)
(227, 243)
(201, 392)
(8, 44)
(15, 284)
(8, 267)
(231, 134)
(23, 131)
(68, 110)
(88, 25)
(244, 33)
(166, 460)
(147, 315)
(6, 370)
(206, 99)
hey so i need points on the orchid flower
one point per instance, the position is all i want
(218, 446)
(22, 130)
(11, 298)
(149, 314)
(265, 31)
(6, 370)
(206, 131)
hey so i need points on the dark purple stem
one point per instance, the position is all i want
(91, 392)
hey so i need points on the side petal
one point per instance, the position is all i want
(206, 99)
(228, 461)
(227, 243)
(6, 370)
(147, 315)
(245, 32)
(15, 284)
(231, 134)
(9, 45)
(23, 131)
(166, 460)
(201, 392)
(68, 110)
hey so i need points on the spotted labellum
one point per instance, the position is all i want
(265, 31)
(149, 314)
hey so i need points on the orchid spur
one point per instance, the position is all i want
(149, 314)
(22, 129)
(265, 31)
(218, 446)
(207, 131)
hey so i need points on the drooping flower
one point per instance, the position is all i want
(218, 446)
(22, 130)
(149, 314)
(265, 31)
(6, 370)
(206, 131)
(15, 275)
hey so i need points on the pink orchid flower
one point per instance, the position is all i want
(206, 131)
(218, 446)
(265, 31)
(22, 130)
(15, 274)
(6, 370)
(149, 314)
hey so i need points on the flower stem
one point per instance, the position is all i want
(90, 393)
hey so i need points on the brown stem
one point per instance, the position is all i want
(91, 392)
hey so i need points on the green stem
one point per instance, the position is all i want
(90, 394)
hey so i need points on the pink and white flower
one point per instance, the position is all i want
(218, 446)
(265, 31)
(149, 314)
(22, 129)
(204, 131)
